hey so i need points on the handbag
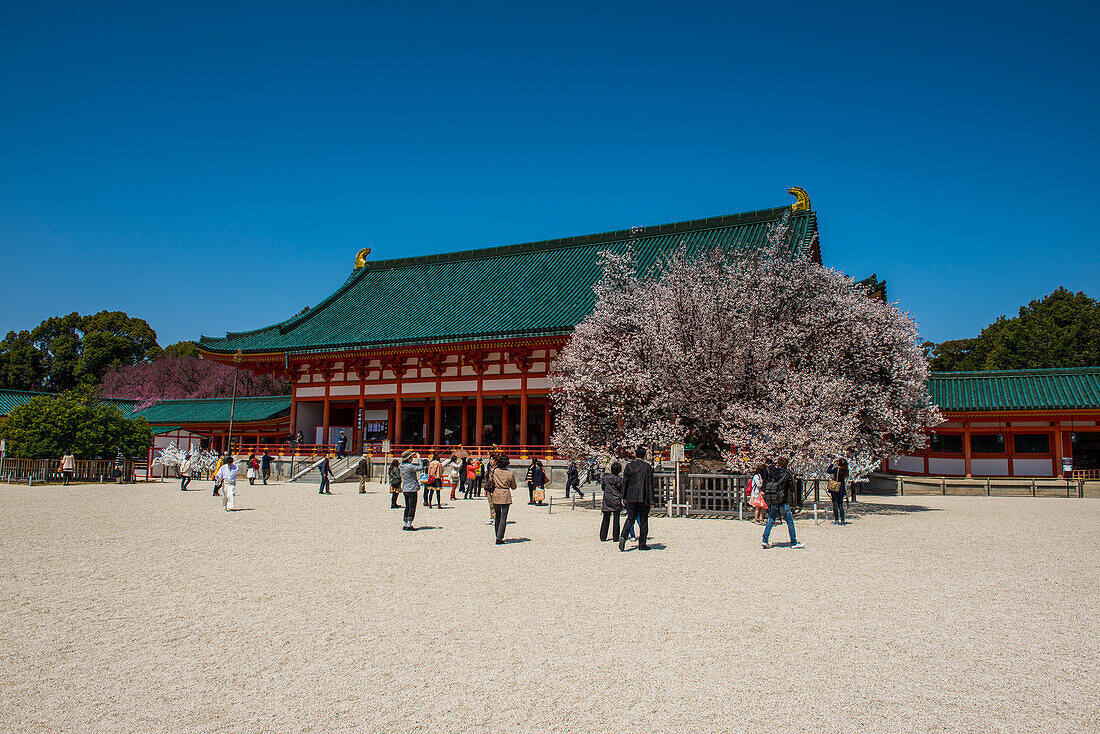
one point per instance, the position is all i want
(540, 495)
(834, 486)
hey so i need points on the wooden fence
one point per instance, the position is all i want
(87, 471)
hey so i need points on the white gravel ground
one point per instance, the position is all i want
(141, 608)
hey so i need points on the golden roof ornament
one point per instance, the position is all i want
(361, 258)
(803, 203)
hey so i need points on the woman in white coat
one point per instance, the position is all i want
(228, 476)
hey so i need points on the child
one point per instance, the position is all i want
(756, 498)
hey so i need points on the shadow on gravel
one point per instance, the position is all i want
(516, 540)
(861, 508)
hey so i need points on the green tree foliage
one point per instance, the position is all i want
(182, 349)
(46, 426)
(21, 363)
(66, 351)
(1060, 330)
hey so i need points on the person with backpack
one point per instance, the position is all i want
(778, 491)
(362, 469)
(395, 483)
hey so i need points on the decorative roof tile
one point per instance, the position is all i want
(216, 410)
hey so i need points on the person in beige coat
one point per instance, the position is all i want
(501, 484)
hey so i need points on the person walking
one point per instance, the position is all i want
(326, 472)
(463, 475)
(410, 485)
(638, 497)
(185, 473)
(227, 476)
(120, 467)
(490, 467)
(342, 446)
(838, 476)
(778, 490)
(265, 466)
(253, 469)
(435, 481)
(756, 494)
(394, 475)
(362, 469)
(68, 468)
(501, 484)
(612, 487)
(573, 480)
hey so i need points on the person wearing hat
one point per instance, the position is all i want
(410, 484)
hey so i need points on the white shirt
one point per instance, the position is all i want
(185, 468)
(228, 473)
(757, 485)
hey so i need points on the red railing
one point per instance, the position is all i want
(304, 451)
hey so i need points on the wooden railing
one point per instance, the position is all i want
(86, 470)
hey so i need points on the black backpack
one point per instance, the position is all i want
(774, 492)
(361, 467)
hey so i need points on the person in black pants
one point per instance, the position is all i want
(612, 486)
(326, 472)
(638, 495)
(409, 468)
(838, 473)
(265, 465)
(342, 446)
(573, 480)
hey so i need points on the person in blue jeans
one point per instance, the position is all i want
(778, 490)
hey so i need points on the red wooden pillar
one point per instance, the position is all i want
(523, 412)
(389, 423)
(966, 449)
(505, 434)
(547, 425)
(1058, 450)
(400, 367)
(465, 421)
(1010, 446)
(324, 420)
(438, 422)
(479, 415)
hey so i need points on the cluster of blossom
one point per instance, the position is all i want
(746, 355)
(201, 459)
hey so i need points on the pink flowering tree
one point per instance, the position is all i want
(175, 378)
(745, 355)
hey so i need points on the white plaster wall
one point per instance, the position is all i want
(908, 463)
(417, 387)
(460, 386)
(1032, 467)
(344, 390)
(938, 466)
(989, 467)
(388, 389)
(309, 392)
(538, 383)
(501, 384)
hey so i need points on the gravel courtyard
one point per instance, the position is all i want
(143, 608)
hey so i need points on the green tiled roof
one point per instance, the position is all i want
(12, 399)
(216, 410)
(161, 430)
(1047, 389)
(535, 289)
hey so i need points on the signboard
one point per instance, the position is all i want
(359, 422)
(676, 452)
(386, 446)
(1067, 464)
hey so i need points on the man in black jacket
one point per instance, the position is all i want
(778, 491)
(637, 497)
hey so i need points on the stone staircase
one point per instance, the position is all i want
(343, 469)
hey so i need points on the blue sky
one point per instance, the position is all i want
(216, 166)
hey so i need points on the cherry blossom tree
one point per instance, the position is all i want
(746, 355)
(176, 378)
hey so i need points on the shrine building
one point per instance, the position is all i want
(456, 348)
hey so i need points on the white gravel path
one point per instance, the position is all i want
(141, 608)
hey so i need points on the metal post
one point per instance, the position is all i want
(233, 403)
